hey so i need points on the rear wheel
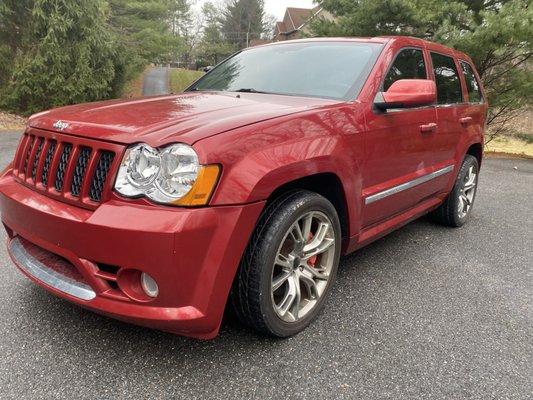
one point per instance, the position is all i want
(458, 205)
(289, 266)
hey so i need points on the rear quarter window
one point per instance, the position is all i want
(472, 84)
(447, 79)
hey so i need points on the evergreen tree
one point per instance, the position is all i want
(142, 30)
(242, 21)
(183, 27)
(212, 48)
(55, 52)
(64, 56)
(180, 17)
(495, 33)
(14, 15)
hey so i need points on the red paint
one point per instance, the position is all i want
(411, 92)
(262, 142)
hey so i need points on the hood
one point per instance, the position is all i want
(159, 120)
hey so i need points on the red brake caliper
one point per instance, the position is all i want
(312, 260)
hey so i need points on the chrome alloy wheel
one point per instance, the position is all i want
(467, 193)
(303, 265)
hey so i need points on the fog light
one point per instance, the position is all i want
(149, 285)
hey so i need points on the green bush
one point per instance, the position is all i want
(59, 52)
(70, 59)
(526, 137)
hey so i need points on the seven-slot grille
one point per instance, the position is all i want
(65, 167)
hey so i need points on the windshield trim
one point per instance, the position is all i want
(352, 94)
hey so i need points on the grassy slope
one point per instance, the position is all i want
(510, 145)
(180, 79)
(520, 142)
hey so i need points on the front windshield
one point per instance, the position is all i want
(335, 70)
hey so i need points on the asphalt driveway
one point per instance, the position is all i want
(156, 82)
(425, 313)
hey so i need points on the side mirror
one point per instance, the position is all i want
(406, 93)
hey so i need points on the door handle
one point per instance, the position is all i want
(465, 120)
(432, 127)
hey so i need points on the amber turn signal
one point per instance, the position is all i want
(203, 188)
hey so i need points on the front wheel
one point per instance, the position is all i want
(289, 266)
(458, 205)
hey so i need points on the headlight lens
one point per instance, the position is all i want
(179, 170)
(139, 169)
(169, 175)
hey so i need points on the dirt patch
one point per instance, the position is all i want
(134, 88)
(11, 122)
(497, 154)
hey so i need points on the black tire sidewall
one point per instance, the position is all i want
(456, 192)
(275, 233)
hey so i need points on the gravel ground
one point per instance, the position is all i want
(426, 313)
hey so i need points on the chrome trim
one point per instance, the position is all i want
(408, 185)
(52, 278)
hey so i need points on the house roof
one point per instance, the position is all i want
(297, 17)
(259, 42)
(280, 27)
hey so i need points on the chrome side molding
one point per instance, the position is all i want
(408, 185)
(44, 274)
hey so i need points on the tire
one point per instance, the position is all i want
(271, 260)
(457, 207)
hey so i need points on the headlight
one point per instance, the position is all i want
(171, 175)
(178, 172)
(138, 170)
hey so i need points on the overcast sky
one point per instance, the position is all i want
(276, 7)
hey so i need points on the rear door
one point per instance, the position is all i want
(451, 105)
(474, 114)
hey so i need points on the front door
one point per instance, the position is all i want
(398, 148)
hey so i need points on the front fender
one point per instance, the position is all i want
(256, 176)
(256, 163)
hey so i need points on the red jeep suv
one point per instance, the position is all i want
(249, 186)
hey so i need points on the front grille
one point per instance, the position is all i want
(28, 152)
(100, 175)
(77, 172)
(36, 158)
(62, 166)
(47, 162)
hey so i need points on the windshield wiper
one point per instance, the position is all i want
(249, 90)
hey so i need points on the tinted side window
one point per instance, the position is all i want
(409, 64)
(474, 91)
(447, 79)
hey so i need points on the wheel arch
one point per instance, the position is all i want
(476, 150)
(326, 184)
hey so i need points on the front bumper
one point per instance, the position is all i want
(193, 254)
